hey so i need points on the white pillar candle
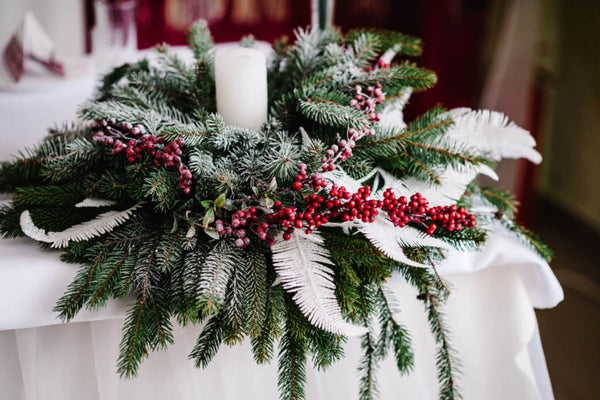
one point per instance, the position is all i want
(241, 83)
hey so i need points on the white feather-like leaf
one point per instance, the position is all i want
(339, 177)
(406, 236)
(301, 263)
(453, 184)
(386, 239)
(493, 133)
(103, 223)
(95, 203)
(392, 115)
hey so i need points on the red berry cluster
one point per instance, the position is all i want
(339, 205)
(365, 102)
(240, 221)
(452, 217)
(348, 206)
(134, 142)
(401, 211)
(315, 182)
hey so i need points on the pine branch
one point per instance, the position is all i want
(215, 275)
(208, 343)
(262, 344)
(200, 39)
(255, 293)
(393, 334)
(432, 292)
(400, 42)
(504, 201)
(368, 368)
(328, 112)
(292, 359)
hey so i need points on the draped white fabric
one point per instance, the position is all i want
(490, 314)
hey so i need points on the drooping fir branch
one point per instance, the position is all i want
(369, 363)
(292, 366)
(368, 366)
(432, 293)
(393, 335)
(271, 326)
(208, 342)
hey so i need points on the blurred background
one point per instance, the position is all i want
(537, 61)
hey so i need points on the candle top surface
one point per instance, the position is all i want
(241, 56)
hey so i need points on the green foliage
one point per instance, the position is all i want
(292, 365)
(208, 342)
(399, 42)
(215, 273)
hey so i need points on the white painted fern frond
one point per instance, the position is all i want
(301, 264)
(95, 203)
(453, 184)
(493, 133)
(339, 177)
(100, 225)
(406, 236)
(391, 240)
(392, 115)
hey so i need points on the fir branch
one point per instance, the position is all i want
(368, 368)
(503, 200)
(99, 296)
(75, 297)
(215, 274)
(365, 48)
(262, 344)
(208, 343)
(400, 42)
(291, 370)
(255, 293)
(329, 112)
(399, 77)
(393, 334)
(200, 39)
(326, 348)
(235, 309)
(48, 195)
(445, 152)
(432, 292)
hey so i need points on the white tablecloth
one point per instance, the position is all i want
(26, 115)
(490, 313)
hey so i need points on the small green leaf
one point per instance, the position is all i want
(209, 218)
(212, 233)
(273, 185)
(206, 203)
(191, 232)
(220, 201)
(267, 202)
(175, 224)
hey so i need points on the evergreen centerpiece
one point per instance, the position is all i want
(284, 232)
